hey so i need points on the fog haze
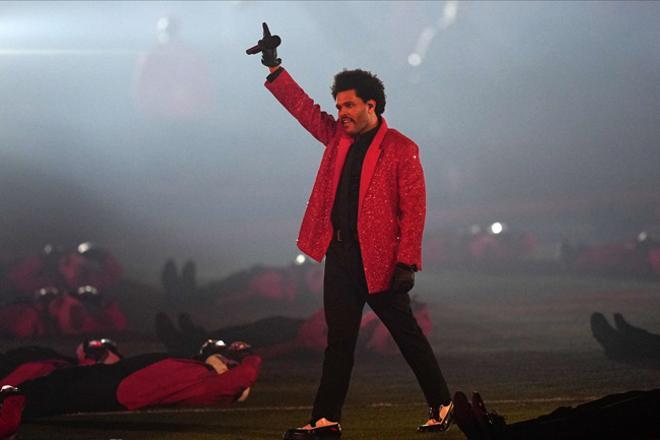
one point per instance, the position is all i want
(542, 114)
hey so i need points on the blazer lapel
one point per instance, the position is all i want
(370, 160)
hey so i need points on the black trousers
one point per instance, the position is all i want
(344, 296)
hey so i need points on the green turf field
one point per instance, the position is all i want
(523, 341)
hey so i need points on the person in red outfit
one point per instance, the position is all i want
(277, 336)
(52, 313)
(366, 217)
(30, 318)
(22, 320)
(87, 312)
(26, 363)
(38, 271)
(133, 383)
(173, 82)
(87, 264)
(11, 408)
(91, 265)
(98, 351)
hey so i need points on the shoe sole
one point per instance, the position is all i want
(322, 433)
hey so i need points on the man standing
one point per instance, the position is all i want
(366, 217)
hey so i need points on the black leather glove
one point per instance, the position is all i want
(268, 48)
(404, 278)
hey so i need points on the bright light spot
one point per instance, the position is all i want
(414, 59)
(496, 228)
(642, 236)
(300, 259)
(451, 7)
(84, 247)
(448, 14)
(162, 23)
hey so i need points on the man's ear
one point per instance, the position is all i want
(371, 104)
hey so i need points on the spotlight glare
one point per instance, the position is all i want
(300, 259)
(496, 228)
(414, 59)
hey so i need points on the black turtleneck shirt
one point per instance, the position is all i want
(345, 208)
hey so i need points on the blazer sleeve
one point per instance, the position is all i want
(412, 206)
(320, 124)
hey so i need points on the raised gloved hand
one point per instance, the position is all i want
(403, 279)
(268, 48)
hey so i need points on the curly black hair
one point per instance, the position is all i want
(366, 84)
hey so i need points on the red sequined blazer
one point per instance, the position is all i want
(392, 199)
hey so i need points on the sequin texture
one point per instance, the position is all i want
(392, 190)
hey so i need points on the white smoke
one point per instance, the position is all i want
(448, 17)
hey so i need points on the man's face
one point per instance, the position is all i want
(355, 115)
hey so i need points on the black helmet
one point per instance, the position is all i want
(91, 251)
(89, 294)
(7, 391)
(47, 294)
(212, 346)
(50, 255)
(98, 349)
(49, 249)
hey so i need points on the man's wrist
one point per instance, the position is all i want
(274, 73)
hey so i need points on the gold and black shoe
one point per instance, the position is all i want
(438, 423)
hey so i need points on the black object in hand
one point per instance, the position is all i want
(268, 48)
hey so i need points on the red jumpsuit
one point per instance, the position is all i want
(33, 370)
(186, 382)
(133, 383)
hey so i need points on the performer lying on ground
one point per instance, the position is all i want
(25, 363)
(366, 217)
(626, 343)
(133, 383)
(86, 264)
(273, 285)
(53, 312)
(630, 415)
(278, 335)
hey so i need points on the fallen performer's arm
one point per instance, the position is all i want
(187, 382)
